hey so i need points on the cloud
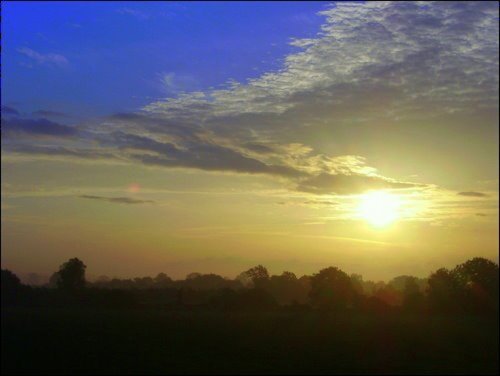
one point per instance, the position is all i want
(320, 203)
(259, 147)
(316, 204)
(195, 148)
(134, 12)
(38, 127)
(118, 200)
(472, 194)
(372, 62)
(173, 83)
(203, 156)
(349, 184)
(49, 58)
(50, 114)
(6, 110)
(57, 151)
(391, 58)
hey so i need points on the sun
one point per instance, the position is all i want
(379, 208)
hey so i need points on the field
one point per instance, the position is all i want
(83, 341)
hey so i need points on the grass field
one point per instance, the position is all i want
(82, 341)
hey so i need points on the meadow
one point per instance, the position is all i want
(79, 340)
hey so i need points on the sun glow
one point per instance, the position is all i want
(379, 208)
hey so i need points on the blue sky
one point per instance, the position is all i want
(113, 56)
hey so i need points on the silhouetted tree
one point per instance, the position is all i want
(480, 271)
(206, 282)
(357, 283)
(54, 280)
(162, 280)
(412, 297)
(143, 282)
(255, 299)
(369, 287)
(10, 287)
(34, 279)
(478, 280)
(285, 288)
(443, 291)
(331, 288)
(256, 276)
(405, 291)
(71, 275)
(388, 294)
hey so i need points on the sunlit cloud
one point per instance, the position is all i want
(385, 47)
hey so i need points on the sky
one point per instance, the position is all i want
(178, 137)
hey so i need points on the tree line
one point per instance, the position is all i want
(470, 287)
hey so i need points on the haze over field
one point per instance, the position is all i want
(210, 137)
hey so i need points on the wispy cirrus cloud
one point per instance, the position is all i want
(118, 200)
(139, 14)
(40, 58)
(58, 151)
(173, 83)
(350, 184)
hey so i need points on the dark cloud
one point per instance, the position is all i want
(315, 204)
(218, 160)
(320, 203)
(258, 147)
(38, 127)
(118, 200)
(183, 130)
(201, 155)
(125, 141)
(472, 194)
(53, 114)
(126, 116)
(139, 138)
(348, 184)
(57, 151)
(6, 110)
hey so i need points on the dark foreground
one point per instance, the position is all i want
(91, 341)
